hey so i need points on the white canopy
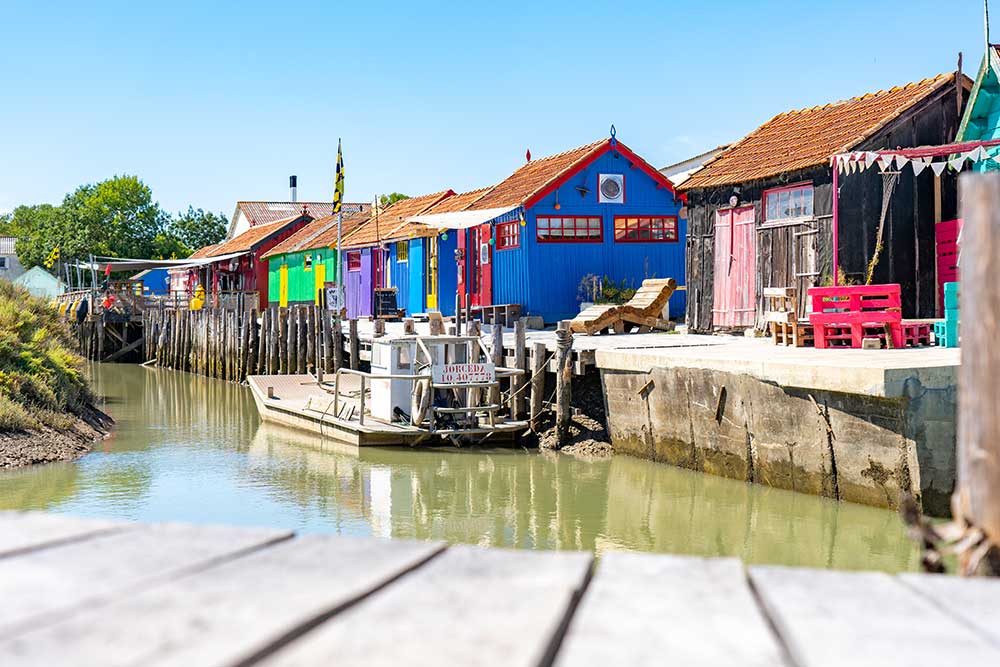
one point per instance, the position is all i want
(124, 264)
(461, 219)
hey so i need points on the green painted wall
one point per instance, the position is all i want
(301, 282)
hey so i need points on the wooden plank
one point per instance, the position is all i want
(651, 609)
(24, 531)
(469, 606)
(42, 587)
(862, 618)
(975, 601)
(219, 616)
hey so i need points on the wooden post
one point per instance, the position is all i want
(272, 333)
(517, 383)
(282, 341)
(496, 354)
(538, 358)
(437, 326)
(310, 339)
(977, 496)
(352, 329)
(327, 327)
(564, 378)
(302, 348)
(338, 344)
(378, 328)
(409, 327)
(458, 311)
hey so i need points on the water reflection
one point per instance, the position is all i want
(187, 448)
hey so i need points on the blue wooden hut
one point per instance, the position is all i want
(543, 237)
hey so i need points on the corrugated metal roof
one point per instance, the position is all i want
(808, 137)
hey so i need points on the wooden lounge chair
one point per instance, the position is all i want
(644, 309)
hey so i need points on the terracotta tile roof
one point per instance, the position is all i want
(321, 233)
(534, 176)
(204, 252)
(266, 212)
(458, 202)
(808, 137)
(391, 223)
(248, 239)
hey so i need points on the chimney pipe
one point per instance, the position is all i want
(293, 182)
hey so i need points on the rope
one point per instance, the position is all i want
(889, 180)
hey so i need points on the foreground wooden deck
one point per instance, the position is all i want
(85, 592)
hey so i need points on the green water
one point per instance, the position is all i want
(191, 449)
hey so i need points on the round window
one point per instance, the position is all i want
(611, 188)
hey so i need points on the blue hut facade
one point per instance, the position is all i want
(559, 227)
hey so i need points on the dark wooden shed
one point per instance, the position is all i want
(760, 214)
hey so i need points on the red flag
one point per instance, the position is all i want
(107, 270)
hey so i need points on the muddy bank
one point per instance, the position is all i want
(47, 444)
(588, 432)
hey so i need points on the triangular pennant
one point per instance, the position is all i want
(972, 155)
(901, 161)
(918, 165)
(957, 162)
(862, 165)
(851, 166)
(884, 162)
(870, 158)
(938, 167)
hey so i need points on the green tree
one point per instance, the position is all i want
(390, 199)
(197, 229)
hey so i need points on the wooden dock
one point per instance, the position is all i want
(87, 592)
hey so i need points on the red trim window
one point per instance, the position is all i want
(354, 260)
(508, 235)
(789, 203)
(645, 229)
(553, 229)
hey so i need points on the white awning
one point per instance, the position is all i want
(461, 219)
(124, 264)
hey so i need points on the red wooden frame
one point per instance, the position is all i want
(574, 238)
(353, 260)
(670, 225)
(785, 188)
(508, 235)
(843, 313)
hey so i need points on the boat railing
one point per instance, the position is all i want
(491, 410)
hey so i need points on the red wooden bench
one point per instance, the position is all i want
(845, 316)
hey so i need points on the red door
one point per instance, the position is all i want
(482, 266)
(378, 267)
(735, 288)
(948, 236)
(463, 265)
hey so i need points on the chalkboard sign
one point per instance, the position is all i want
(385, 302)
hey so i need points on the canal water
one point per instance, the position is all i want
(191, 449)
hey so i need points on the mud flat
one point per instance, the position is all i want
(866, 426)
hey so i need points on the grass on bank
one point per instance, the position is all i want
(42, 380)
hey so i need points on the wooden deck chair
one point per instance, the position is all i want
(645, 308)
(597, 318)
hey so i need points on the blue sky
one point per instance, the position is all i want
(213, 102)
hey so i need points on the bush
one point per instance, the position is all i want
(41, 378)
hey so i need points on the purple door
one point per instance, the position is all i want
(358, 283)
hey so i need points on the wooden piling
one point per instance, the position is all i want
(976, 500)
(378, 328)
(539, 356)
(409, 327)
(518, 382)
(564, 378)
(338, 344)
(325, 317)
(496, 355)
(352, 328)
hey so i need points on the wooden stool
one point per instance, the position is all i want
(781, 315)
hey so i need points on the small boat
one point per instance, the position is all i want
(420, 390)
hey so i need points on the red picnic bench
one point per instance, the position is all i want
(845, 316)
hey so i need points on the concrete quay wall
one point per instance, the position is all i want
(869, 446)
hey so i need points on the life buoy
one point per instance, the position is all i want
(420, 401)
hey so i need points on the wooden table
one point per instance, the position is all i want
(85, 592)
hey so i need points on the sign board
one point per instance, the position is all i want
(333, 296)
(463, 373)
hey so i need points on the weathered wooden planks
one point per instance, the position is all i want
(228, 614)
(863, 618)
(24, 531)
(974, 601)
(43, 586)
(646, 609)
(469, 606)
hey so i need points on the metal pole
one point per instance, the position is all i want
(835, 221)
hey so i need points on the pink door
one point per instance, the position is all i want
(735, 288)
(948, 235)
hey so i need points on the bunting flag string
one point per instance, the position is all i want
(858, 161)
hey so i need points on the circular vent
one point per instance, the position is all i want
(611, 188)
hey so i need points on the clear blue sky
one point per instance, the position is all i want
(210, 103)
